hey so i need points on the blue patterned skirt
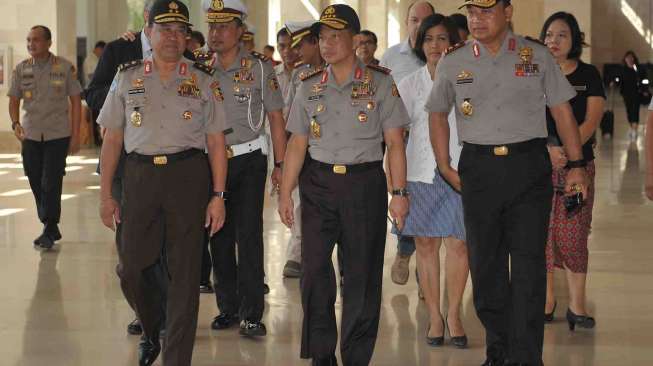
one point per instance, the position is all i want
(436, 211)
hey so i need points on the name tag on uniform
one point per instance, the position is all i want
(136, 91)
(313, 98)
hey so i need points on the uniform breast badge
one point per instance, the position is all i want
(316, 130)
(467, 108)
(136, 118)
(526, 67)
(371, 105)
(464, 77)
(362, 117)
(188, 115)
(320, 108)
(27, 94)
(188, 88)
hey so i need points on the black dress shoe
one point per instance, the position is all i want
(224, 321)
(135, 328)
(266, 289)
(459, 341)
(493, 362)
(252, 329)
(148, 351)
(206, 288)
(44, 241)
(582, 321)
(435, 341)
(325, 361)
(53, 232)
(548, 318)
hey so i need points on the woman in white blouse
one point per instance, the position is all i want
(436, 212)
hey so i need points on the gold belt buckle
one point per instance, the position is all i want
(501, 151)
(230, 152)
(340, 169)
(160, 160)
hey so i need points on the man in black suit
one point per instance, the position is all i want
(116, 53)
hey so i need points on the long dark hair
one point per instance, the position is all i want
(576, 35)
(632, 53)
(430, 22)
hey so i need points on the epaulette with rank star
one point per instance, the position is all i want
(454, 48)
(381, 69)
(260, 56)
(204, 68)
(129, 65)
(313, 73)
(202, 55)
(535, 41)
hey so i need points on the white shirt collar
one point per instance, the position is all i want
(145, 42)
(405, 46)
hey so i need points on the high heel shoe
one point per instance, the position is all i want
(458, 342)
(582, 321)
(548, 318)
(435, 341)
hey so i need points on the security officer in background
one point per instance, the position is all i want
(307, 47)
(251, 91)
(341, 115)
(46, 83)
(500, 85)
(165, 111)
(305, 43)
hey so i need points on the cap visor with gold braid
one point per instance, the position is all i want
(331, 20)
(217, 13)
(172, 15)
(483, 3)
(298, 36)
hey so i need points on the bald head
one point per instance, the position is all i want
(417, 12)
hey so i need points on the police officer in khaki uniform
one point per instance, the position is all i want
(305, 43)
(500, 85)
(251, 93)
(165, 111)
(46, 83)
(341, 115)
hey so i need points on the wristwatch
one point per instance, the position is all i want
(403, 192)
(278, 164)
(577, 164)
(14, 125)
(222, 195)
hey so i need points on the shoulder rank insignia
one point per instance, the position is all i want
(535, 41)
(129, 65)
(204, 68)
(381, 69)
(454, 48)
(311, 74)
(260, 56)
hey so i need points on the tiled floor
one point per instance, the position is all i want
(65, 307)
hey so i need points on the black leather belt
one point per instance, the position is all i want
(344, 169)
(507, 149)
(164, 159)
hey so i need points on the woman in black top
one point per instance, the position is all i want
(631, 77)
(569, 231)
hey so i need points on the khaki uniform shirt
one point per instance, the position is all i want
(499, 99)
(251, 89)
(298, 74)
(345, 123)
(160, 117)
(45, 88)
